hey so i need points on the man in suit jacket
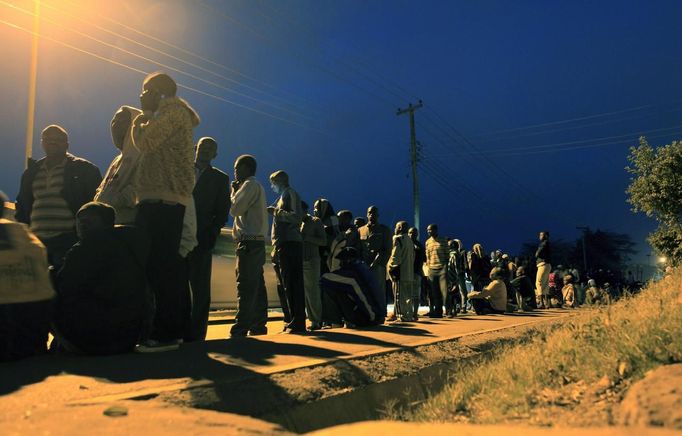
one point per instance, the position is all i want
(212, 201)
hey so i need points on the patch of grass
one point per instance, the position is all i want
(601, 346)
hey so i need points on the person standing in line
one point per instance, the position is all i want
(314, 237)
(543, 259)
(457, 272)
(51, 192)
(324, 210)
(523, 290)
(212, 204)
(437, 261)
(419, 260)
(118, 187)
(249, 230)
(479, 267)
(288, 251)
(401, 272)
(377, 245)
(163, 183)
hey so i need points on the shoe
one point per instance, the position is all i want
(295, 331)
(314, 326)
(258, 332)
(451, 316)
(391, 318)
(153, 346)
(350, 325)
(238, 334)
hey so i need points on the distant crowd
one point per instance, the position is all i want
(124, 262)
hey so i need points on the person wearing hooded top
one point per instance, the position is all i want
(323, 210)
(26, 293)
(118, 188)
(401, 271)
(164, 181)
(348, 236)
(352, 291)
(479, 267)
(102, 301)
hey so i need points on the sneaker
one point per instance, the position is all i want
(314, 326)
(153, 346)
(258, 332)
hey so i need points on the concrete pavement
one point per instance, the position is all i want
(219, 359)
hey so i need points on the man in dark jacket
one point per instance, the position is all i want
(51, 192)
(102, 294)
(212, 202)
(354, 295)
(419, 259)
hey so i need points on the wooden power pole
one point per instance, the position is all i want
(413, 158)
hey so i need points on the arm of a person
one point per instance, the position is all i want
(318, 235)
(221, 205)
(243, 198)
(387, 246)
(396, 256)
(151, 134)
(288, 213)
(79, 267)
(21, 212)
(93, 178)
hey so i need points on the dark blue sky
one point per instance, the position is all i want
(331, 74)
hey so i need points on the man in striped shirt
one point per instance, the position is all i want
(52, 190)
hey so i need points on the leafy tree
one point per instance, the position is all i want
(656, 189)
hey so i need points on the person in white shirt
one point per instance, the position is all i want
(249, 229)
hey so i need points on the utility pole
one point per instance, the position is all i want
(584, 229)
(413, 158)
(33, 72)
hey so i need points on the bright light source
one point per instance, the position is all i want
(662, 259)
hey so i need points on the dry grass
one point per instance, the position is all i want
(604, 347)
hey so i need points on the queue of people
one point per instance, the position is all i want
(130, 255)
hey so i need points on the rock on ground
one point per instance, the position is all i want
(656, 400)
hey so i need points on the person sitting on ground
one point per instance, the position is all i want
(102, 293)
(523, 290)
(354, 296)
(26, 293)
(493, 298)
(569, 292)
(594, 295)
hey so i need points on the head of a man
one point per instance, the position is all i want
(206, 151)
(156, 87)
(244, 167)
(543, 235)
(413, 233)
(359, 221)
(120, 125)
(520, 271)
(401, 227)
(279, 180)
(372, 215)
(432, 230)
(55, 141)
(94, 217)
(496, 273)
(345, 218)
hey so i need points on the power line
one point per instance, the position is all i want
(162, 52)
(193, 54)
(137, 70)
(162, 65)
(503, 151)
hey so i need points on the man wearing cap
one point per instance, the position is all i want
(287, 216)
(164, 181)
(354, 298)
(212, 203)
(51, 192)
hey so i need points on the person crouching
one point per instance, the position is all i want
(102, 301)
(493, 298)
